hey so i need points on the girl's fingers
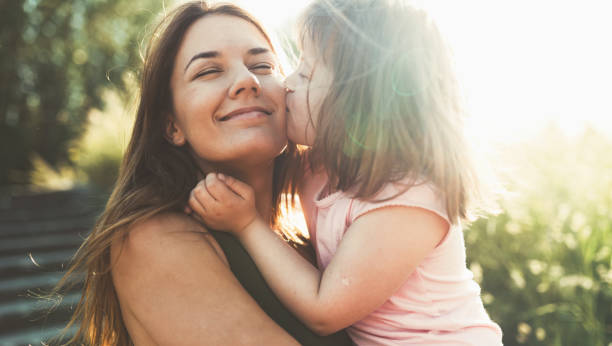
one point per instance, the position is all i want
(202, 193)
(238, 187)
(219, 189)
(195, 204)
(209, 185)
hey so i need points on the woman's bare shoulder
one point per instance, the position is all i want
(167, 232)
(163, 224)
(166, 266)
(156, 242)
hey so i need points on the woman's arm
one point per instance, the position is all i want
(175, 288)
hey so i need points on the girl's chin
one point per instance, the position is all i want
(297, 135)
(293, 138)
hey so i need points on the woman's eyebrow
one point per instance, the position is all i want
(258, 50)
(202, 55)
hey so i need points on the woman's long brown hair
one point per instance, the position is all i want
(154, 177)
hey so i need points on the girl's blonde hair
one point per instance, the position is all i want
(394, 110)
(155, 177)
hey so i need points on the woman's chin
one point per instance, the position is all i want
(250, 155)
(266, 151)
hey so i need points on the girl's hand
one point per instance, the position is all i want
(224, 203)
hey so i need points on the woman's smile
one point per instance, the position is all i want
(246, 113)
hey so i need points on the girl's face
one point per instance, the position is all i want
(228, 97)
(307, 87)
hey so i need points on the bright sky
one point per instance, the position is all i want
(524, 63)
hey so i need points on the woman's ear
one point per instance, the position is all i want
(174, 134)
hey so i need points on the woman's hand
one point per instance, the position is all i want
(224, 203)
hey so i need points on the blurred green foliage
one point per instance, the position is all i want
(545, 262)
(57, 58)
(98, 152)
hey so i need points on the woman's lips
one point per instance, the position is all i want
(246, 113)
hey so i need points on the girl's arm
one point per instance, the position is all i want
(378, 253)
(175, 288)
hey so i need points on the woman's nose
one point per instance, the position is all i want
(245, 83)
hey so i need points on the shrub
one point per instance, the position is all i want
(545, 262)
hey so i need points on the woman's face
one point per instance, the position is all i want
(229, 102)
(307, 88)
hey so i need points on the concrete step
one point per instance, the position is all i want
(23, 283)
(41, 206)
(39, 233)
(48, 226)
(26, 306)
(29, 244)
(39, 335)
(44, 259)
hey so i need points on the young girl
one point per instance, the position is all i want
(386, 183)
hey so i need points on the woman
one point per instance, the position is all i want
(211, 100)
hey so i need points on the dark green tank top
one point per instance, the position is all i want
(249, 276)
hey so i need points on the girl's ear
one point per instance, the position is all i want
(174, 134)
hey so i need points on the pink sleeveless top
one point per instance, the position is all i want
(440, 302)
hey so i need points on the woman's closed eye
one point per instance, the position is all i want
(207, 72)
(263, 68)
